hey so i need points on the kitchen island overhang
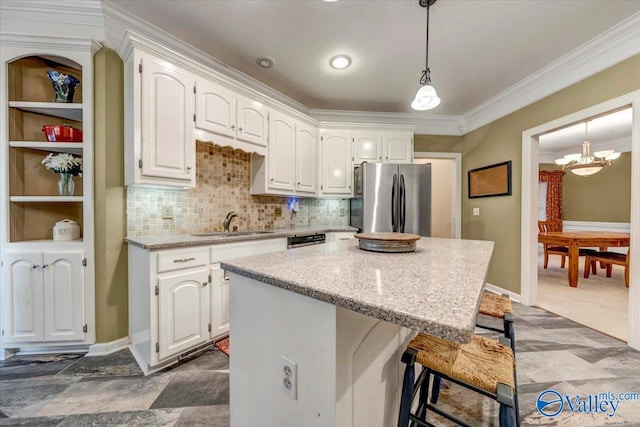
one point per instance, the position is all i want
(343, 315)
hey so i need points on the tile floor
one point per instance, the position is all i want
(70, 390)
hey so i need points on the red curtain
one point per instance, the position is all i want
(554, 193)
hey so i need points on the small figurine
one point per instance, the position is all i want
(64, 85)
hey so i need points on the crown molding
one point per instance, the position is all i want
(75, 7)
(429, 124)
(120, 24)
(603, 51)
(49, 43)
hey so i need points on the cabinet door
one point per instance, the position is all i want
(64, 296)
(215, 109)
(251, 122)
(168, 142)
(398, 147)
(282, 154)
(306, 159)
(336, 163)
(22, 304)
(367, 148)
(219, 302)
(183, 311)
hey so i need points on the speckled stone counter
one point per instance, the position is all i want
(436, 289)
(167, 241)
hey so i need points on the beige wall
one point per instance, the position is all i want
(110, 249)
(441, 194)
(437, 143)
(603, 197)
(501, 140)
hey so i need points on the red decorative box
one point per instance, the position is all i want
(64, 133)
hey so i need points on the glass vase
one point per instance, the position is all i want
(66, 186)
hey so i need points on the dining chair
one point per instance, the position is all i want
(608, 258)
(562, 251)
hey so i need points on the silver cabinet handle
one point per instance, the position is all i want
(184, 259)
(36, 266)
(233, 126)
(240, 129)
(188, 168)
(272, 179)
(205, 283)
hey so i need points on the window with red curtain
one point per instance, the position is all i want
(554, 193)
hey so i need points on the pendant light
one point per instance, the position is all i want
(426, 98)
(587, 164)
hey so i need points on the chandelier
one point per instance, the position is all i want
(426, 98)
(586, 164)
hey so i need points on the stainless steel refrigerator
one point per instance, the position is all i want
(392, 197)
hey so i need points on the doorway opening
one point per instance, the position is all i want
(529, 229)
(446, 192)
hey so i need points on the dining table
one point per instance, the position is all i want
(577, 239)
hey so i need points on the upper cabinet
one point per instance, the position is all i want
(336, 168)
(159, 116)
(289, 168)
(240, 121)
(382, 147)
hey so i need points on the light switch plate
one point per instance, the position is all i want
(476, 211)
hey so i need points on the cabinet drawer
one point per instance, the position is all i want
(177, 260)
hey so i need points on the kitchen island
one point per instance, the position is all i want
(342, 316)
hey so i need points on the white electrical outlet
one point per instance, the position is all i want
(476, 211)
(289, 375)
(167, 211)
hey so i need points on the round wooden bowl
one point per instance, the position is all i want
(387, 242)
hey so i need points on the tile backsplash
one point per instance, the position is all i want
(222, 185)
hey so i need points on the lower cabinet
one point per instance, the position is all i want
(183, 311)
(179, 298)
(43, 297)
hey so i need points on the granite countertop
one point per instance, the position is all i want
(435, 289)
(167, 241)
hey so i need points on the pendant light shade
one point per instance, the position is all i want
(426, 98)
(586, 164)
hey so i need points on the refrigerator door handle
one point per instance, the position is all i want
(403, 204)
(394, 225)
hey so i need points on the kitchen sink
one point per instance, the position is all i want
(232, 233)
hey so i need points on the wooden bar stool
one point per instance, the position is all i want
(500, 307)
(484, 365)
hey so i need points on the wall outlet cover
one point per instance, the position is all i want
(167, 211)
(289, 374)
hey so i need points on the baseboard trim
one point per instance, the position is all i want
(104, 348)
(498, 290)
(623, 227)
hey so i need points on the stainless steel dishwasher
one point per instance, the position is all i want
(300, 240)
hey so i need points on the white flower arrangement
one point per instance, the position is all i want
(63, 163)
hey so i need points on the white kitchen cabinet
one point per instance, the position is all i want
(289, 168)
(179, 298)
(281, 155)
(227, 118)
(367, 147)
(337, 236)
(397, 147)
(336, 164)
(159, 116)
(219, 301)
(183, 310)
(306, 159)
(43, 297)
(382, 147)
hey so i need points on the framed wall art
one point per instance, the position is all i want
(489, 181)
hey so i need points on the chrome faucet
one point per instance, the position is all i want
(227, 221)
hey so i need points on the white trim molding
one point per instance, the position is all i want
(102, 349)
(500, 291)
(622, 227)
(529, 212)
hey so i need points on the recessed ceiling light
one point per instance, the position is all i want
(265, 62)
(340, 62)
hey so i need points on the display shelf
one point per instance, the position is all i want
(45, 199)
(56, 147)
(71, 111)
